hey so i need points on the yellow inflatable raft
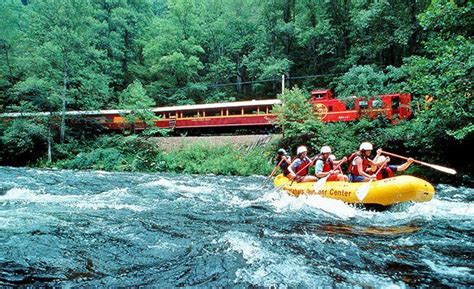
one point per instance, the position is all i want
(384, 192)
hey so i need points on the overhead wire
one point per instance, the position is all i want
(261, 81)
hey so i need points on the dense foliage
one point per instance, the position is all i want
(77, 55)
(138, 154)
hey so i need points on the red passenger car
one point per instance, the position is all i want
(230, 114)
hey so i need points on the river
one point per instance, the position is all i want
(69, 228)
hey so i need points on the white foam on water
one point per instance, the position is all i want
(44, 172)
(309, 237)
(368, 280)
(34, 196)
(175, 186)
(267, 268)
(434, 209)
(112, 199)
(282, 202)
(110, 206)
(102, 173)
(453, 271)
(161, 182)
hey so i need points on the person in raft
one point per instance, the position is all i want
(283, 161)
(300, 166)
(325, 166)
(388, 170)
(359, 162)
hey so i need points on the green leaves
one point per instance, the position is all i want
(135, 100)
(370, 81)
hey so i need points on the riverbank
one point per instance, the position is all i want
(242, 155)
(248, 141)
(177, 155)
(220, 155)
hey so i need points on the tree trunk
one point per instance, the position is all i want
(63, 109)
(7, 59)
(239, 77)
(49, 142)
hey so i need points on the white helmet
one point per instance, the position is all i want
(366, 146)
(325, 150)
(301, 149)
(332, 157)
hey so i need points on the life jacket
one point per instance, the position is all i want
(328, 164)
(353, 168)
(284, 168)
(304, 164)
(385, 173)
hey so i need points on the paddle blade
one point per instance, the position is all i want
(363, 191)
(319, 184)
(441, 168)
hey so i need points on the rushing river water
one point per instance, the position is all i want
(70, 228)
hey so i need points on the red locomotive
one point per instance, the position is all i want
(330, 109)
(252, 114)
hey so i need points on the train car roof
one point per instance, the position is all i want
(251, 103)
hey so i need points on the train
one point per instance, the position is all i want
(253, 114)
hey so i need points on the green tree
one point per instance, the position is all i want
(22, 141)
(172, 53)
(296, 118)
(122, 24)
(380, 31)
(61, 50)
(10, 37)
(135, 101)
(366, 80)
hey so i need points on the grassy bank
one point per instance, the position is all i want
(138, 154)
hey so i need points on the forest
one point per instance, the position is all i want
(104, 54)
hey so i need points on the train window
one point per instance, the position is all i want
(330, 108)
(318, 95)
(395, 102)
(235, 111)
(101, 119)
(213, 113)
(350, 103)
(377, 103)
(250, 110)
(363, 104)
(189, 113)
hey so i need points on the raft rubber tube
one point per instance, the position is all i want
(383, 192)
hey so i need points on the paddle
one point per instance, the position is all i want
(281, 186)
(436, 167)
(364, 189)
(320, 183)
(273, 172)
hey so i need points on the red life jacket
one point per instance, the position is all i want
(385, 173)
(353, 169)
(304, 164)
(328, 165)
